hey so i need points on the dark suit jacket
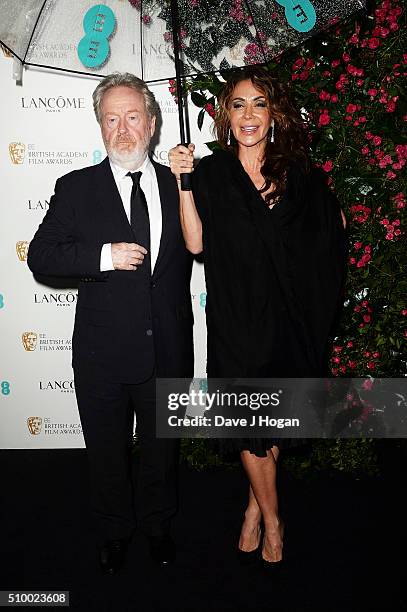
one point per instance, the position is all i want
(127, 323)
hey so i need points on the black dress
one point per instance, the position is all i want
(273, 276)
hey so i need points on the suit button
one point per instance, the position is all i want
(149, 332)
(153, 285)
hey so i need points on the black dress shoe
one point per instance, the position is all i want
(112, 556)
(162, 549)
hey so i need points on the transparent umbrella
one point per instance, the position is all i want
(161, 39)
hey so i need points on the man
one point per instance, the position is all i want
(119, 233)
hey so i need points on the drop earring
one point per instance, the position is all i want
(272, 131)
(228, 140)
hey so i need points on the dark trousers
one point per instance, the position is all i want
(106, 411)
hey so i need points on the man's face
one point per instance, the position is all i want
(126, 126)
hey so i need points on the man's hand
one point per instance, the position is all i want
(127, 255)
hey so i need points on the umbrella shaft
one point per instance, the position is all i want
(183, 121)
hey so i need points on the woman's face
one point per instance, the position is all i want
(249, 115)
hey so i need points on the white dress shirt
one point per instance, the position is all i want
(149, 185)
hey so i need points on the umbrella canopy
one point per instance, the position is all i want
(137, 35)
(161, 39)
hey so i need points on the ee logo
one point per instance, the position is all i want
(99, 24)
(202, 299)
(97, 156)
(300, 15)
(5, 387)
(1, 301)
(203, 385)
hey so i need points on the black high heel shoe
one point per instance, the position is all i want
(248, 557)
(272, 567)
(251, 556)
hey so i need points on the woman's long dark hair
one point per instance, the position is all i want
(290, 137)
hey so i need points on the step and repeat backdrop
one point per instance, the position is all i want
(48, 129)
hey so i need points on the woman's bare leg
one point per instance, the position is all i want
(250, 533)
(262, 475)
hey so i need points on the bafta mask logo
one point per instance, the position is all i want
(34, 424)
(22, 249)
(16, 151)
(29, 339)
(6, 52)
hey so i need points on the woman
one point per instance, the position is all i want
(273, 243)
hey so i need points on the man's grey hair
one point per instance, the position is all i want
(124, 79)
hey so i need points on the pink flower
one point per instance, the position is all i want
(390, 175)
(372, 92)
(377, 140)
(324, 95)
(367, 384)
(210, 109)
(327, 166)
(324, 118)
(373, 43)
(298, 63)
(385, 161)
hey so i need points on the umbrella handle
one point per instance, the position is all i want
(186, 182)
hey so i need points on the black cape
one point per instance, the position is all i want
(274, 277)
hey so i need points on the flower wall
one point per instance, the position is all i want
(349, 81)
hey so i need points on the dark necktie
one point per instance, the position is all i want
(139, 219)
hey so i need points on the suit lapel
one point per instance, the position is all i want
(167, 195)
(109, 197)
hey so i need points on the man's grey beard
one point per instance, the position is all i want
(130, 160)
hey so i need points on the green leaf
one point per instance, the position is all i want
(201, 118)
(213, 145)
(198, 99)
